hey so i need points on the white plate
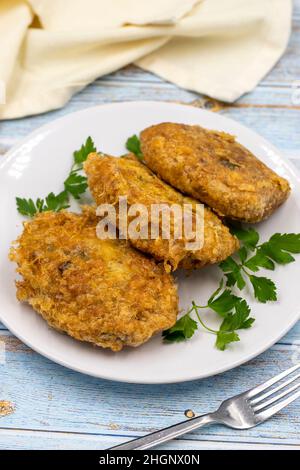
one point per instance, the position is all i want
(39, 165)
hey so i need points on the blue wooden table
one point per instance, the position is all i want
(45, 406)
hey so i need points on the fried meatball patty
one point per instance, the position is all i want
(101, 291)
(215, 169)
(110, 177)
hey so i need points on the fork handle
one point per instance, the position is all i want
(166, 434)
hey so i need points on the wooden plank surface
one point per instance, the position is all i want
(43, 396)
(43, 405)
(19, 439)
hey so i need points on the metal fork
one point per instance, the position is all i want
(243, 411)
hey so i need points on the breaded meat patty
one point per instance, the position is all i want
(215, 169)
(110, 177)
(101, 291)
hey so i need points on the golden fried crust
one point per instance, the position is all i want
(215, 169)
(110, 177)
(100, 291)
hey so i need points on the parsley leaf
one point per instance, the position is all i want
(88, 147)
(264, 288)
(56, 203)
(243, 254)
(226, 337)
(52, 203)
(183, 329)
(277, 250)
(40, 204)
(249, 237)
(280, 245)
(224, 303)
(233, 273)
(76, 184)
(234, 321)
(286, 241)
(259, 260)
(133, 144)
(240, 319)
(27, 206)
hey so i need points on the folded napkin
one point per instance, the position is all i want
(51, 49)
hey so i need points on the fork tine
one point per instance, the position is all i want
(263, 415)
(260, 388)
(275, 398)
(260, 398)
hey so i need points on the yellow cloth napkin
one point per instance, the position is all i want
(51, 49)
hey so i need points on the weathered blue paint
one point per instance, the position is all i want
(48, 397)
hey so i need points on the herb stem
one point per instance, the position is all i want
(75, 167)
(245, 271)
(195, 308)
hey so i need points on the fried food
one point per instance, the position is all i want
(215, 169)
(110, 177)
(101, 291)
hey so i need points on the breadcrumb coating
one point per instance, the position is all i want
(101, 291)
(110, 177)
(214, 168)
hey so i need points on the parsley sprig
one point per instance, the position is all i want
(254, 256)
(234, 311)
(133, 145)
(50, 203)
(236, 269)
(75, 184)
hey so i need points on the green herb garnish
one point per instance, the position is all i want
(234, 311)
(75, 185)
(254, 256)
(81, 155)
(183, 329)
(51, 203)
(133, 144)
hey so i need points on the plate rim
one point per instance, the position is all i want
(64, 362)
